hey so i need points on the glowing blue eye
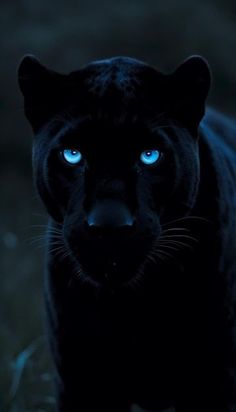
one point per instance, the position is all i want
(148, 157)
(72, 156)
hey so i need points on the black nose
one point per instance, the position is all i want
(110, 216)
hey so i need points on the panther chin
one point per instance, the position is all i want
(111, 274)
(115, 269)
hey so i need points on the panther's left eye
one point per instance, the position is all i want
(72, 156)
(148, 157)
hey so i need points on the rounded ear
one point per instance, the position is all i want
(30, 70)
(40, 88)
(195, 73)
(190, 84)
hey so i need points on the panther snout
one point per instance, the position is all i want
(110, 216)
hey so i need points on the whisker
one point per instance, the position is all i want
(165, 253)
(168, 247)
(160, 256)
(59, 252)
(177, 242)
(168, 255)
(177, 236)
(135, 282)
(176, 229)
(45, 226)
(186, 218)
(57, 248)
(66, 254)
(153, 255)
(40, 240)
(43, 236)
(150, 256)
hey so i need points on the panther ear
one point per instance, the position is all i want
(189, 87)
(41, 90)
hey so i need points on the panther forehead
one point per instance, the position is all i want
(121, 74)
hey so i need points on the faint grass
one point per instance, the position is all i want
(25, 367)
(19, 365)
(28, 381)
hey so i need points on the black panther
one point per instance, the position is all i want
(139, 181)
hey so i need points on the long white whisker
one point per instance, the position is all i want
(186, 218)
(175, 242)
(176, 229)
(165, 246)
(177, 236)
(165, 253)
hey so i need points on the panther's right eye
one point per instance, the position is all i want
(149, 157)
(71, 156)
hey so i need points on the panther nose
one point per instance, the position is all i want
(110, 216)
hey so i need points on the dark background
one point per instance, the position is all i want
(64, 36)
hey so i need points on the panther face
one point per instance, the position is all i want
(115, 155)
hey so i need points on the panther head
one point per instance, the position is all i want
(115, 156)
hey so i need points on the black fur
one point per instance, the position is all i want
(140, 285)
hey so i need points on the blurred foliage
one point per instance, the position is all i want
(66, 35)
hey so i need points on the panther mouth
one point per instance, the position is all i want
(108, 254)
(112, 265)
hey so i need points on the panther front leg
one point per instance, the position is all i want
(90, 392)
(208, 386)
(89, 377)
(81, 399)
